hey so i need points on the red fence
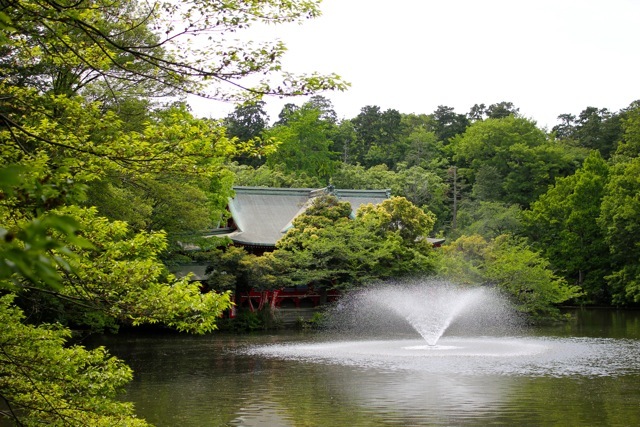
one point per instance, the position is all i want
(257, 300)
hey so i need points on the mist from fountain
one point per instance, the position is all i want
(461, 330)
(429, 310)
(428, 307)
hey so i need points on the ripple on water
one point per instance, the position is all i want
(526, 356)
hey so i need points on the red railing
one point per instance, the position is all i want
(257, 300)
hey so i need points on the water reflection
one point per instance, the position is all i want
(221, 380)
(421, 395)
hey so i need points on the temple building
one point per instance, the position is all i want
(260, 216)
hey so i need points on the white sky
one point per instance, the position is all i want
(548, 57)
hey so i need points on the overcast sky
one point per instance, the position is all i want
(548, 57)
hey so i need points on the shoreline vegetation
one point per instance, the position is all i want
(107, 181)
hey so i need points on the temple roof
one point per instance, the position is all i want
(263, 215)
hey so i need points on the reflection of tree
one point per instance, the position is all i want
(204, 381)
(602, 401)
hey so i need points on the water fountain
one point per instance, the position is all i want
(429, 308)
(439, 327)
(445, 306)
(419, 353)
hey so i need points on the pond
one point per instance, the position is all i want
(584, 372)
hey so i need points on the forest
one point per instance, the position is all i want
(569, 194)
(106, 177)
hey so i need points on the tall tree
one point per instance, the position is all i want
(620, 219)
(501, 110)
(567, 128)
(323, 105)
(477, 112)
(403, 229)
(629, 145)
(598, 129)
(594, 129)
(449, 123)
(344, 141)
(562, 223)
(304, 145)
(358, 177)
(247, 122)
(169, 196)
(425, 189)
(287, 110)
(528, 278)
(379, 136)
(620, 214)
(424, 150)
(487, 219)
(325, 248)
(45, 381)
(511, 265)
(514, 154)
(65, 65)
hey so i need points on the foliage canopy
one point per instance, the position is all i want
(97, 171)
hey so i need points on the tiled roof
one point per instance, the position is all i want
(263, 214)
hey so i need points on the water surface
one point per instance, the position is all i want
(585, 372)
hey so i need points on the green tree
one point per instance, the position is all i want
(629, 145)
(276, 176)
(379, 137)
(288, 109)
(424, 150)
(344, 141)
(47, 382)
(247, 122)
(620, 220)
(488, 219)
(566, 129)
(512, 154)
(182, 187)
(488, 184)
(88, 50)
(359, 177)
(118, 274)
(324, 105)
(620, 213)
(65, 67)
(598, 129)
(131, 41)
(562, 223)
(511, 265)
(448, 123)
(477, 112)
(420, 186)
(398, 216)
(327, 248)
(402, 228)
(528, 278)
(501, 110)
(462, 260)
(593, 129)
(425, 189)
(229, 268)
(106, 270)
(304, 145)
